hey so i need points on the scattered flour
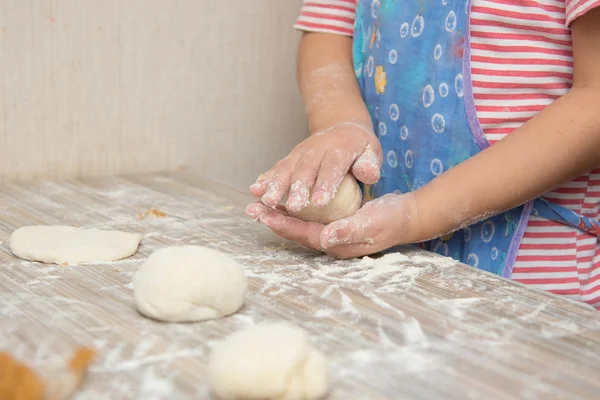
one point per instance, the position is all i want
(438, 260)
(399, 350)
(154, 386)
(368, 270)
(270, 279)
(387, 259)
(456, 307)
(413, 333)
(381, 303)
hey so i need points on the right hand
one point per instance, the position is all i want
(319, 163)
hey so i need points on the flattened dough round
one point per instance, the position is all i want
(189, 283)
(268, 361)
(346, 202)
(66, 244)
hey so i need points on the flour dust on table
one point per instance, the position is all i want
(189, 284)
(268, 361)
(61, 244)
(345, 203)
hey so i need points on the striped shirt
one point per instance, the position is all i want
(521, 61)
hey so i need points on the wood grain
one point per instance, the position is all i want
(411, 326)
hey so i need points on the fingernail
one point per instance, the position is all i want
(298, 197)
(254, 187)
(259, 181)
(364, 163)
(321, 198)
(271, 196)
(294, 202)
(253, 211)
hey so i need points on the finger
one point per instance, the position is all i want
(305, 233)
(255, 210)
(346, 251)
(258, 188)
(279, 183)
(359, 228)
(334, 167)
(281, 209)
(303, 180)
(367, 167)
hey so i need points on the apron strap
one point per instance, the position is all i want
(554, 212)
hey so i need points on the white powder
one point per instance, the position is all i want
(413, 333)
(439, 261)
(154, 386)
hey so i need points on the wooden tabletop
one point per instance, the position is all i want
(409, 325)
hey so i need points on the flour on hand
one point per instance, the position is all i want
(189, 283)
(345, 203)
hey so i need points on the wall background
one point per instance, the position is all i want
(93, 87)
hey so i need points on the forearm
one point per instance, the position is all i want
(559, 144)
(327, 82)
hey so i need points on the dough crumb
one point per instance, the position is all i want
(19, 381)
(81, 360)
(152, 212)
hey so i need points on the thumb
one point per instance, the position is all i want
(359, 228)
(367, 165)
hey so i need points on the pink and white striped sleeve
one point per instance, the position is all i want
(328, 16)
(577, 8)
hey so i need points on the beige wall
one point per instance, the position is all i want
(92, 87)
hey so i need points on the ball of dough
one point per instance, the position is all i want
(268, 361)
(345, 203)
(189, 283)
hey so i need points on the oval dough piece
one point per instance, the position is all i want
(268, 361)
(189, 283)
(66, 244)
(345, 203)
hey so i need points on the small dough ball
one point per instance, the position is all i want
(268, 361)
(345, 203)
(189, 283)
(61, 244)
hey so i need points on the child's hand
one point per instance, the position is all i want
(380, 224)
(321, 162)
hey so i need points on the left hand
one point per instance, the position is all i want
(380, 224)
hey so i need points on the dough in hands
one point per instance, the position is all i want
(66, 244)
(268, 361)
(345, 203)
(189, 283)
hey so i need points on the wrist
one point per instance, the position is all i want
(346, 124)
(328, 119)
(411, 226)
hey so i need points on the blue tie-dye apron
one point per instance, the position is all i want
(412, 62)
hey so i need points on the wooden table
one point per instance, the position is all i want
(409, 326)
